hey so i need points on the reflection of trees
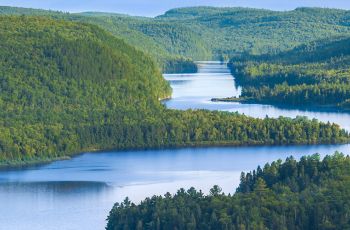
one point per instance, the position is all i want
(56, 187)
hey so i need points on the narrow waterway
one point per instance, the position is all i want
(195, 91)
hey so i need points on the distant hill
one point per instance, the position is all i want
(230, 30)
(214, 33)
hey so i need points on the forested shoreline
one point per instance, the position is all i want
(91, 81)
(69, 87)
(62, 101)
(306, 61)
(314, 74)
(306, 194)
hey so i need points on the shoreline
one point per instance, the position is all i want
(16, 165)
(315, 108)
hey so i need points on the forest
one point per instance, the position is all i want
(307, 194)
(77, 82)
(316, 73)
(69, 87)
(209, 33)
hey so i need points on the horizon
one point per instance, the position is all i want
(158, 7)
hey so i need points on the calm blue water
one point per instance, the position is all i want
(78, 193)
(194, 91)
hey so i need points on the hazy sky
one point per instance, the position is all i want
(156, 7)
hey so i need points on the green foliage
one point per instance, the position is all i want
(204, 33)
(180, 65)
(168, 44)
(68, 87)
(309, 194)
(61, 81)
(228, 31)
(317, 73)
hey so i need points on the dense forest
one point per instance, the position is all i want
(60, 80)
(306, 194)
(68, 87)
(230, 31)
(90, 81)
(172, 46)
(209, 33)
(317, 73)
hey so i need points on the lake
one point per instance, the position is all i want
(78, 193)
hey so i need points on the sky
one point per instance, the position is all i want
(157, 7)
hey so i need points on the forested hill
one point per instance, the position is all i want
(316, 73)
(309, 194)
(172, 46)
(68, 87)
(213, 33)
(314, 51)
(234, 30)
(59, 79)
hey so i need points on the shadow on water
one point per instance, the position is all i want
(302, 108)
(55, 187)
(177, 82)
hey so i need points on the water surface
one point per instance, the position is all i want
(195, 91)
(78, 193)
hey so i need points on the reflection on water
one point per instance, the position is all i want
(212, 80)
(92, 182)
(79, 193)
(56, 188)
(215, 80)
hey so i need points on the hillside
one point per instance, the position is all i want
(60, 79)
(316, 73)
(171, 47)
(228, 31)
(207, 33)
(68, 87)
(309, 194)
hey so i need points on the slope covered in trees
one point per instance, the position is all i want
(209, 33)
(228, 31)
(309, 194)
(317, 73)
(172, 46)
(60, 81)
(67, 87)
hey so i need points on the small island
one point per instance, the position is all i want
(229, 99)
